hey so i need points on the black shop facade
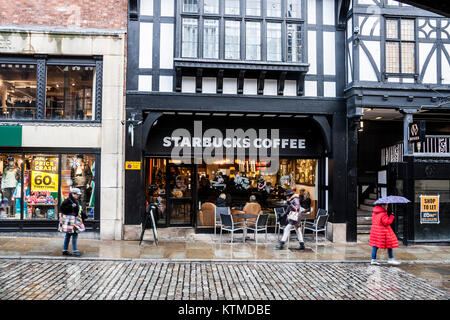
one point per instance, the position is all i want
(183, 162)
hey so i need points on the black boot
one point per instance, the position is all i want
(280, 245)
(301, 247)
(66, 253)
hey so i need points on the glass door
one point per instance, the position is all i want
(180, 207)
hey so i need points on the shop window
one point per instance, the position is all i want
(253, 7)
(273, 8)
(41, 186)
(18, 91)
(432, 231)
(78, 171)
(211, 6)
(294, 9)
(156, 188)
(239, 180)
(10, 168)
(232, 39)
(70, 93)
(253, 43)
(211, 39)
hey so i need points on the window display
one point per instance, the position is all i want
(78, 171)
(41, 178)
(10, 168)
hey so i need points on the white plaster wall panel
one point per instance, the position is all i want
(366, 2)
(424, 51)
(328, 12)
(349, 28)
(374, 49)
(166, 46)
(408, 80)
(372, 22)
(445, 66)
(188, 84)
(394, 80)
(145, 44)
(250, 86)
(145, 83)
(290, 88)
(366, 71)
(312, 53)
(310, 89)
(147, 7)
(167, 8)
(209, 85)
(270, 87)
(61, 136)
(329, 59)
(229, 86)
(446, 27)
(329, 89)
(166, 83)
(430, 75)
(392, 3)
(311, 11)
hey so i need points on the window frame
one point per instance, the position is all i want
(41, 62)
(399, 40)
(242, 17)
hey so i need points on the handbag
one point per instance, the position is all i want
(293, 215)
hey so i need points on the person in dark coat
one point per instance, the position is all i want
(381, 234)
(71, 218)
(294, 205)
(221, 200)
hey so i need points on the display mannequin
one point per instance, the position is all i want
(81, 176)
(10, 178)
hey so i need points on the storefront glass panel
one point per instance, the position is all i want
(428, 231)
(399, 210)
(18, 91)
(70, 92)
(10, 168)
(41, 186)
(78, 171)
(156, 187)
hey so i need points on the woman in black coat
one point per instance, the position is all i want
(71, 220)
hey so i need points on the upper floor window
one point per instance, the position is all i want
(253, 30)
(18, 91)
(49, 89)
(400, 46)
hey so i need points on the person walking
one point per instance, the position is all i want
(294, 206)
(71, 221)
(381, 234)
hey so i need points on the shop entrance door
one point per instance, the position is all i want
(180, 194)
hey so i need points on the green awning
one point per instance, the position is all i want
(11, 136)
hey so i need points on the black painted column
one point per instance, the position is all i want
(338, 170)
(352, 179)
(134, 179)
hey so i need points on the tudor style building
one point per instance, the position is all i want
(322, 71)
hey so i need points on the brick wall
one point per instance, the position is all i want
(106, 14)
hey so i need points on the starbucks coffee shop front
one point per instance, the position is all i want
(188, 161)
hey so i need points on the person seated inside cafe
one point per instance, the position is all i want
(305, 202)
(221, 200)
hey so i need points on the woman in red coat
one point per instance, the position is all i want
(381, 234)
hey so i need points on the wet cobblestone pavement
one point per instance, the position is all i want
(69, 279)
